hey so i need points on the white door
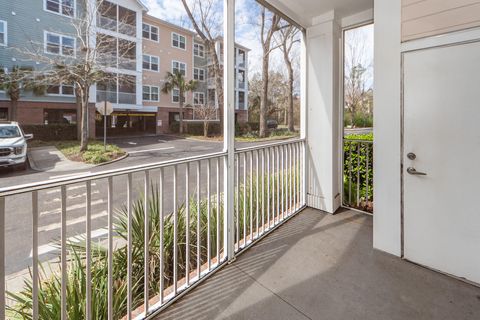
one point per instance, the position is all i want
(442, 140)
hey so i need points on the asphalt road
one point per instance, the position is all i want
(18, 220)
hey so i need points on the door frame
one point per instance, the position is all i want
(341, 106)
(443, 41)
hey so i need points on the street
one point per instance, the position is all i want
(18, 220)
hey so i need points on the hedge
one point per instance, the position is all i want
(51, 132)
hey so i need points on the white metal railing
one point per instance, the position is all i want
(116, 26)
(117, 97)
(164, 229)
(358, 174)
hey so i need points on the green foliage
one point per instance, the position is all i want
(95, 153)
(51, 132)
(50, 282)
(358, 172)
(360, 120)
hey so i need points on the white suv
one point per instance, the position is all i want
(13, 145)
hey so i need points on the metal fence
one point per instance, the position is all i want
(358, 174)
(132, 240)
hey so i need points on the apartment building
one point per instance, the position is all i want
(140, 50)
(166, 48)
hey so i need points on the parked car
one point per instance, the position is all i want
(13, 145)
(272, 124)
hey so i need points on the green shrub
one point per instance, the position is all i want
(358, 171)
(50, 285)
(51, 132)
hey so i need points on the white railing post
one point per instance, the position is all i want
(2, 258)
(303, 115)
(229, 126)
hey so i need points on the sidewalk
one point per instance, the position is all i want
(50, 159)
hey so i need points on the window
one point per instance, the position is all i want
(3, 33)
(150, 62)
(199, 50)
(60, 45)
(62, 7)
(60, 90)
(198, 74)
(241, 99)
(198, 98)
(179, 67)
(150, 32)
(151, 93)
(179, 41)
(175, 95)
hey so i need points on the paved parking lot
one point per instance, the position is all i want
(18, 221)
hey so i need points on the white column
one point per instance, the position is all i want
(229, 125)
(139, 57)
(323, 129)
(387, 128)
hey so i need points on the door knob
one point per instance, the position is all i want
(414, 172)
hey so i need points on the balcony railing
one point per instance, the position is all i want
(163, 229)
(114, 97)
(116, 26)
(358, 174)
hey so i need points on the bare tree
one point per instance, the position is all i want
(358, 67)
(288, 37)
(206, 19)
(85, 64)
(270, 23)
(207, 113)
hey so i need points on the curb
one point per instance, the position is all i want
(112, 161)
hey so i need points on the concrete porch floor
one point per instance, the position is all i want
(319, 266)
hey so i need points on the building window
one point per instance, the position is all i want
(150, 62)
(58, 116)
(151, 93)
(3, 114)
(59, 44)
(199, 98)
(198, 74)
(175, 96)
(60, 90)
(179, 67)
(3, 33)
(199, 50)
(241, 100)
(62, 7)
(150, 32)
(179, 41)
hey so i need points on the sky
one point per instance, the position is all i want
(246, 25)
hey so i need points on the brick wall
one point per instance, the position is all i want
(32, 112)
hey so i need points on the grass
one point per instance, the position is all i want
(277, 134)
(95, 153)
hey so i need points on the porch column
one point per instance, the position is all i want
(229, 126)
(323, 130)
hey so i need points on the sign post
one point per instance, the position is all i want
(105, 108)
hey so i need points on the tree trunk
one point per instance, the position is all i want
(84, 129)
(205, 129)
(182, 98)
(290, 115)
(218, 87)
(78, 101)
(13, 109)
(264, 96)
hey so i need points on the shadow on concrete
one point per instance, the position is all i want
(320, 266)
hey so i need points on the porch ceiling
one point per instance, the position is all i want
(303, 11)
